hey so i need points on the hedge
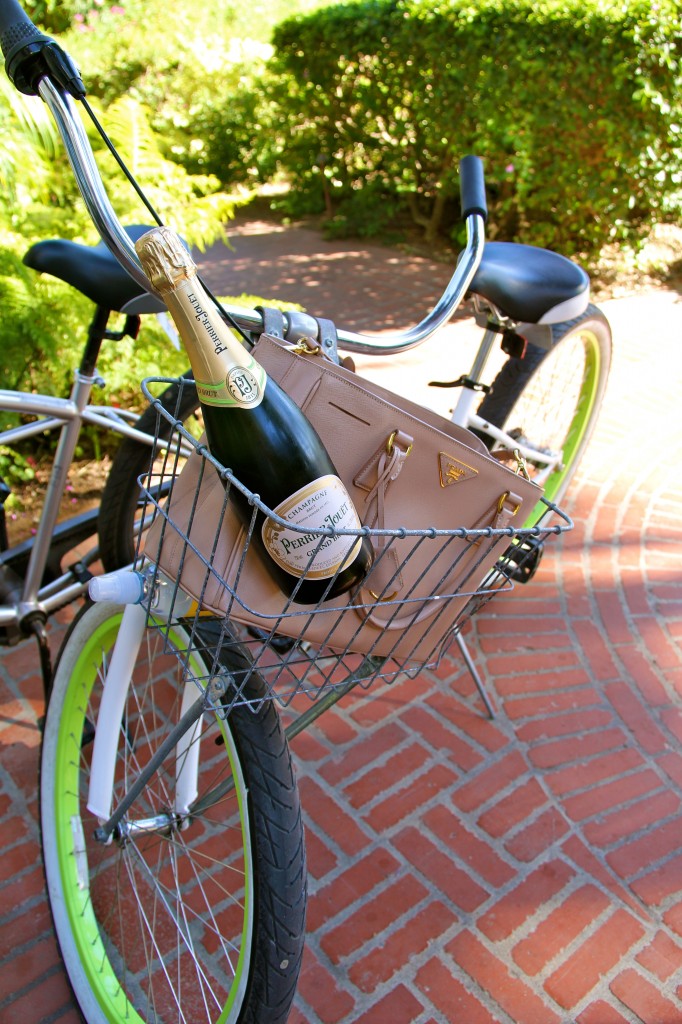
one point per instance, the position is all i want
(575, 106)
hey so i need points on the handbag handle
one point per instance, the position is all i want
(385, 581)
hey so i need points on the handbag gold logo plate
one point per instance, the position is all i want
(452, 471)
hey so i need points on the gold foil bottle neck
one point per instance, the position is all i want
(164, 258)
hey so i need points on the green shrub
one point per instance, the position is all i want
(147, 85)
(575, 106)
(44, 320)
(40, 315)
(199, 81)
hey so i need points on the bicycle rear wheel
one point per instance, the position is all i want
(122, 506)
(195, 917)
(550, 400)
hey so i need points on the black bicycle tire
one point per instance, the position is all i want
(120, 495)
(517, 374)
(517, 371)
(275, 828)
(508, 385)
(281, 904)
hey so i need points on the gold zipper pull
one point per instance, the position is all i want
(521, 467)
(306, 347)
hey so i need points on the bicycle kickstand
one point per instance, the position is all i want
(473, 671)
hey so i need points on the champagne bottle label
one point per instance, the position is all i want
(240, 388)
(224, 382)
(321, 503)
(226, 374)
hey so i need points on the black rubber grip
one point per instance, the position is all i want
(472, 187)
(31, 56)
(16, 28)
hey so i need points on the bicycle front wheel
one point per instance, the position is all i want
(550, 400)
(195, 916)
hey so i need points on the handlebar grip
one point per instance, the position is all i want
(16, 28)
(472, 187)
(30, 55)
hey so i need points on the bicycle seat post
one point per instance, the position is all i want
(97, 332)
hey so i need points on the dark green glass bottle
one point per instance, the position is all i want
(257, 431)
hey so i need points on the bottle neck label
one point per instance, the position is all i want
(322, 503)
(226, 374)
(240, 388)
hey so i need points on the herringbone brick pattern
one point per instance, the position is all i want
(462, 870)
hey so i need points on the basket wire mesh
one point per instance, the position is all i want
(293, 649)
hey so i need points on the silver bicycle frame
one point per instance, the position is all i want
(55, 412)
(464, 415)
(69, 415)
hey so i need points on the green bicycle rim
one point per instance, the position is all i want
(577, 431)
(100, 974)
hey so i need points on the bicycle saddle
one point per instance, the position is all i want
(94, 271)
(531, 285)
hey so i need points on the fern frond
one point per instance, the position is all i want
(31, 116)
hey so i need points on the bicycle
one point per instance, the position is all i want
(162, 734)
(34, 582)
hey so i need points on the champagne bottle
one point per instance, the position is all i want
(257, 431)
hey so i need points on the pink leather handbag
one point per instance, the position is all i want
(439, 508)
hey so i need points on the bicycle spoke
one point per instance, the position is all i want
(182, 934)
(159, 923)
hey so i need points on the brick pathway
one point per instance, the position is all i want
(521, 871)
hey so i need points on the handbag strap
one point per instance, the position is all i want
(273, 321)
(389, 461)
(383, 468)
(300, 326)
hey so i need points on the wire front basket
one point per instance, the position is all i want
(235, 630)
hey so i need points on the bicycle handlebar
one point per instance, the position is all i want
(30, 55)
(36, 64)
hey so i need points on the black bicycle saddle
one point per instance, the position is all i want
(531, 285)
(95, 272)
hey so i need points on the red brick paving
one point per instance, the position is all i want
(509, 872)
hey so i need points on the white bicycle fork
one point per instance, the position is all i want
(110, 725)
